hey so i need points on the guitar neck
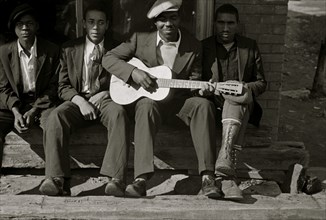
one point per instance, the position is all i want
(179, 83)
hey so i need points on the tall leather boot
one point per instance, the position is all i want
(224, 166)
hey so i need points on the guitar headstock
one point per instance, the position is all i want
(229, 87)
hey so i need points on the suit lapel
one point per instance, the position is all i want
(41, 55)
(242, 57)
(77, 56)
(183, 55)
(214, 67)
(15, 77)
(150, 49)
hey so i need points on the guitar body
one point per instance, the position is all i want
(123, 93)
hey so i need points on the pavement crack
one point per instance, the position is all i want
(42, 202)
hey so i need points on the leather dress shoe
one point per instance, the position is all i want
(231, 190)
(115, 187)
(136, 189)
(55, 186)
(210, 189)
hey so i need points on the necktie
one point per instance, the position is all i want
(168, 53)
(94, 69)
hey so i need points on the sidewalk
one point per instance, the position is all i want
(169, 197)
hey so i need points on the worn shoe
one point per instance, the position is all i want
(55, 186)
(136, 189)
(115, 187)
(231, 190)
(210, 189)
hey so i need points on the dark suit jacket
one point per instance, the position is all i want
(143, 46)
(11, 87)
(251, 68)
(71, 71)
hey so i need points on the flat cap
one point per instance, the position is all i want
(18, 12)
(163, 6)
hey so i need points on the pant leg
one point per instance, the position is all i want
(44, 117)
(199, 114)
(6, 125)
(240, 113)
(147, 121)
(114, 118)
(59, 126)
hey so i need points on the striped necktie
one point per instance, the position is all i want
(94, 69)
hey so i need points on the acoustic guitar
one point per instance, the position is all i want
(123, 93)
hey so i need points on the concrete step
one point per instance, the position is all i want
(170, 196)
(284, 206)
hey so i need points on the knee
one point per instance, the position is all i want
(204, 105)
(147, 105)
(118, 114)
(56, 117)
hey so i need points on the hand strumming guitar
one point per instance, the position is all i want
(145, 80)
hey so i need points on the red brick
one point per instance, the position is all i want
(265, 48)
(266, 28)
(253, 29)
(271, 117)
(279, 29)
(274, 2)
(281, 9)
(265, 9)
(263, 103)
(251, 19)
(273, 76)
(277, 66)
(267, 19)
(274, 19)
(249, 9)
(273, 58)
(259, 29)
(256, 2)
(273, 104)
(252, 36)
(279, 19)
(278, 48)
(274, 95)
(274, 85)
(271, 38)
(267, 66)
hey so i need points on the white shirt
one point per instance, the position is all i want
(89, 47)
(28, 67)
(228, 46)
(167, 51)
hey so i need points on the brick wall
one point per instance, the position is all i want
(265, 21)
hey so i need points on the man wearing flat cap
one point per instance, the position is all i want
(28, 80)
(174, 47)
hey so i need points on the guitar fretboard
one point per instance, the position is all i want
(179, 83)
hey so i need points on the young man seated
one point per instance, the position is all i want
(28, 79)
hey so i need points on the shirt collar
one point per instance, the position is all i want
(90, 45)
(33, 48)
(176, 43)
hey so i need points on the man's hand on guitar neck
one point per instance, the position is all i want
(145, 80)
(207, 89)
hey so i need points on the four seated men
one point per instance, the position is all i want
(31, 78)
